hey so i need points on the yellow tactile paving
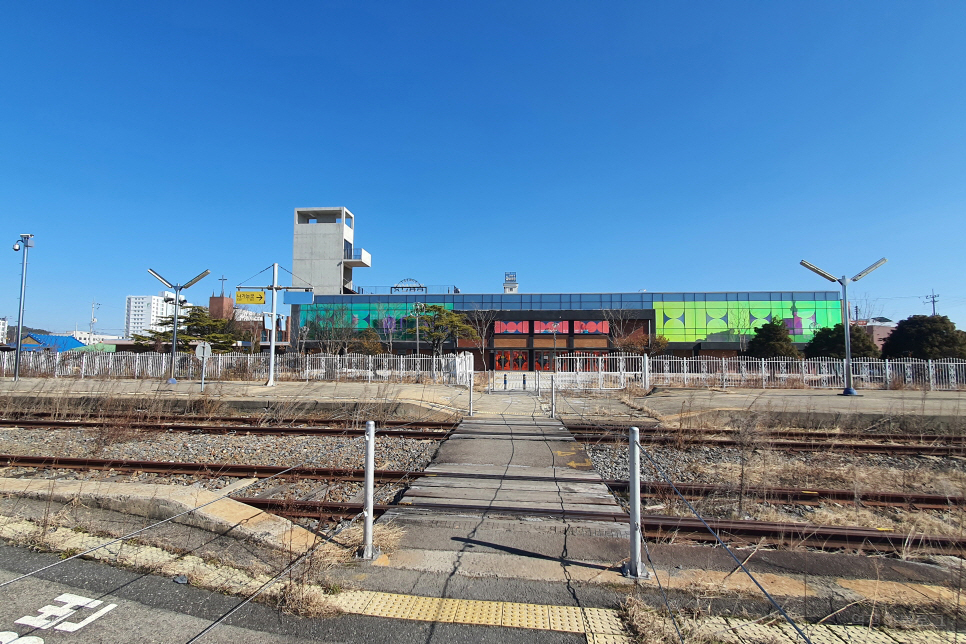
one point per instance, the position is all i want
(919, 637)
(602, 621)
(353, 601)
(566, 618)
(447, 610)
(425, 609)
(754, 633)
(718, 630)
(861, 635)
(478, 612)
(390, 605)
(601, 638)
(602, 625)
(817, 633)
(526, 616)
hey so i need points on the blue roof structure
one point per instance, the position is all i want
(46, 342)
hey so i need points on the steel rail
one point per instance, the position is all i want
(607, 430)
(899, 449)
(254, 430)
(651, 489)
(181, 418)
(661, 526)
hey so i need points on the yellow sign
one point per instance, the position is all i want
(249, 297)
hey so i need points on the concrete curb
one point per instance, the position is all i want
(243, 522)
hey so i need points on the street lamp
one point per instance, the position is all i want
(177, 288)
(25, 242)
(844, 281)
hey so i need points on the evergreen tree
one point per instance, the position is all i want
(830, 343)
(772, 341)
(928, 337)
(438, 325)
(195, 326)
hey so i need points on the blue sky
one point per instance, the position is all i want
(588, 146)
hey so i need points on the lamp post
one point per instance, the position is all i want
(418, 308)
(847, 327)
(177, 288)
(25, 242)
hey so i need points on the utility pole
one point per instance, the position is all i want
(932, 297)
(94, 305)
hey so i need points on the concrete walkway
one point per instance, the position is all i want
(528, 473)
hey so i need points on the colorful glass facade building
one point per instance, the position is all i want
(527, 330)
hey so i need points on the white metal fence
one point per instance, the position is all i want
(817, 373)
(588, 371)
(617, 371)
(452, 369)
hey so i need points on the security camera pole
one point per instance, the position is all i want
(844, 281)
(25, 242)
(177, 288)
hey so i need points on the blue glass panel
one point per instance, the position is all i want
(718, 297)
(689, 297)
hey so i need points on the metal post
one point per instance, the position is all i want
(367, 550)
(553, 397)
(888, 375)
(471, 392)
(538, 383)
(174, 335)
(26, 241)
(846, 324)
(271, 351)
(504, 382)
(932, 375)
(634, 569)
(204, 362)
(524, 382)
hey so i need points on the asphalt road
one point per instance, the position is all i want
(155, 610)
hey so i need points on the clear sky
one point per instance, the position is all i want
(588, 146)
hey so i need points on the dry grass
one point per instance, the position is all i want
(648, 625)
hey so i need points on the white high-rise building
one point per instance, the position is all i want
(143, 313)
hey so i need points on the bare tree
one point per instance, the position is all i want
(332, 328)
(629, 333)
(482, 323)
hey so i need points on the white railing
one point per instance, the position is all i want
(451, 369)
(817, 373)
(613, 371)
(617, 371)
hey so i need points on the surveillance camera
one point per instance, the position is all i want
(16, 246)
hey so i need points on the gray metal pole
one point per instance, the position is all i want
(367, 550)
(271, 351)
(848, 391)
(553, 397)
(634, 568)
(471, 393)
(174, 334)
(23, 292)
(204, 361)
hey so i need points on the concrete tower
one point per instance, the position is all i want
(323, 252)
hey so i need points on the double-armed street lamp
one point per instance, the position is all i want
(844, 281)
(25, 242)
(177, 288)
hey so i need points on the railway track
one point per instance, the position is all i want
(649, 489)
(421, 431)
(656, 526)
(793, 441)
(892, 444)
(666, 527)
